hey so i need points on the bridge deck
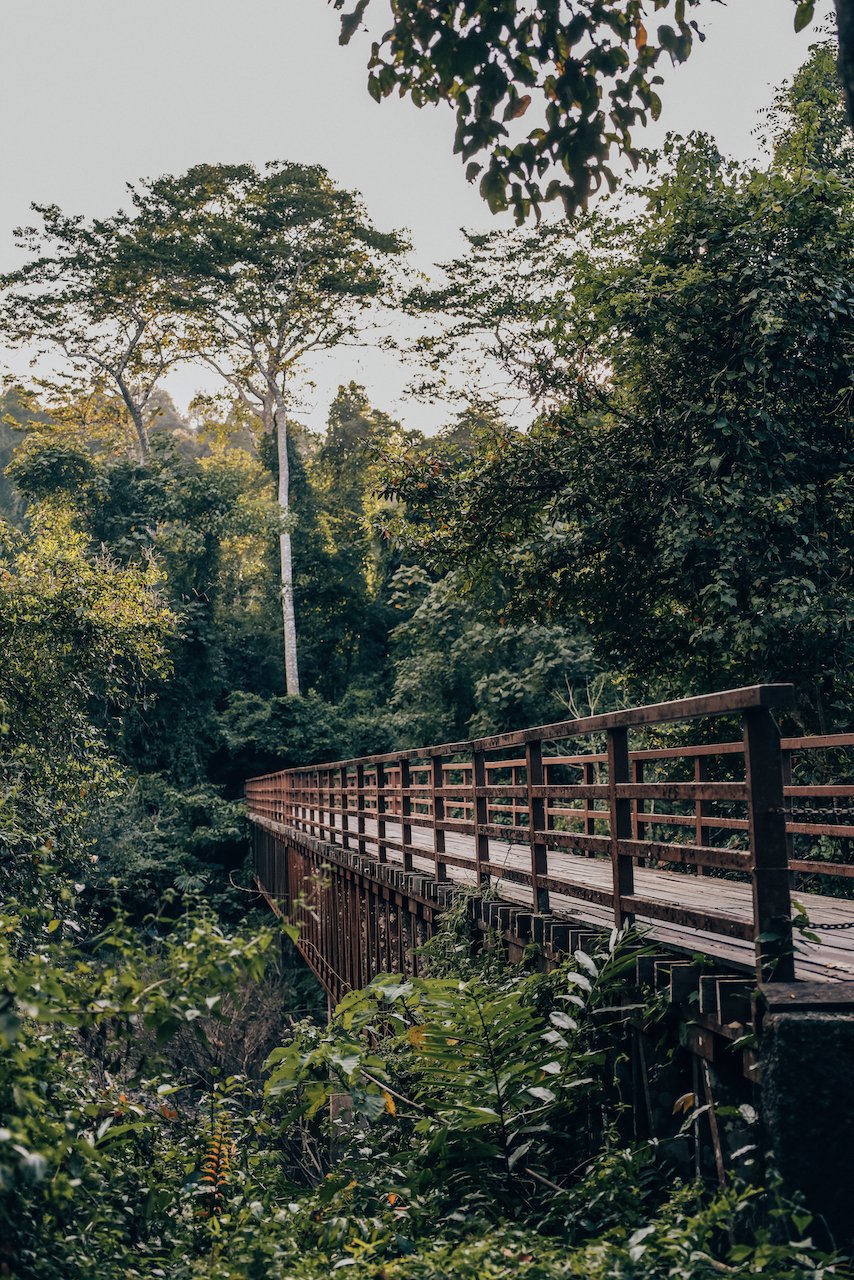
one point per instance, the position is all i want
(831, 958)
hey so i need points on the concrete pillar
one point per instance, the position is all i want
(807, 1056)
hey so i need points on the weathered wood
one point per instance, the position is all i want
(481, 838)
(542, 824)
(536, 826)
(620, 821)
(772, 908)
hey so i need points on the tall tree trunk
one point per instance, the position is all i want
(137, 420)
(845, 27)
(289, 625)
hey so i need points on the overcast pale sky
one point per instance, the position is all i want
(95, 93)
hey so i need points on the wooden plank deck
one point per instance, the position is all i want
(831, 959)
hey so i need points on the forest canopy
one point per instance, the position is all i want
(189, 597)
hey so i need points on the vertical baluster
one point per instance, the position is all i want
(620, 822)
(701, 807)
(786, 760)
(518, 781)
(589, 810)
(536, 825)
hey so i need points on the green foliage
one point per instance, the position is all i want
(86, 297)
(588, 70)
(79, 633)
(479, 1135)
(490, 1078)
(687, 493)
(95, 1128)
(460, 671)
(809, 127)
(154, 837)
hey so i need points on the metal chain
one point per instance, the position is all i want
(847, 924)
(799, 814)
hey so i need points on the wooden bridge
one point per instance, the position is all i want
(728, 848)
(692, 819)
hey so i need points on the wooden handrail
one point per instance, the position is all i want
(438, 808)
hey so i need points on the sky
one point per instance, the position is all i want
(95, 93)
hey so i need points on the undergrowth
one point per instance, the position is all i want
(468, 1123)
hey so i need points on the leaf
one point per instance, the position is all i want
(517, 1154)
(394, 990)
(684, 1104)
(390, 1105)
(641, 37)
(563, 1020)
(350, 22)
(586, 963)
(580, 980)
(346, 1065)
(540, 1092)
(514, 110)
(804, 14)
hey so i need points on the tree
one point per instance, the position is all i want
(461, 671)
(265, 267)
(81, 636)
(688, 492)
(585, 66)
(87, 295)
(809, 128)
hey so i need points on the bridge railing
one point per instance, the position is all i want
(521, 807)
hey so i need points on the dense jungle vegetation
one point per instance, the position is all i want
(187, 600)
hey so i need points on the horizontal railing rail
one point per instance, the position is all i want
(520, 807)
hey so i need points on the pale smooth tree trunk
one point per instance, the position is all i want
(135, 414)
(289, 625)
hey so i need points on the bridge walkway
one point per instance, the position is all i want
(832, 958)
(715, 842)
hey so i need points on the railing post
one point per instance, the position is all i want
(769, 848)
(480, 815)
(622, 868)
(536, 824)
(405, 812)
(437, 781)
(382, 851)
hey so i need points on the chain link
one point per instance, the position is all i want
(799, 814)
